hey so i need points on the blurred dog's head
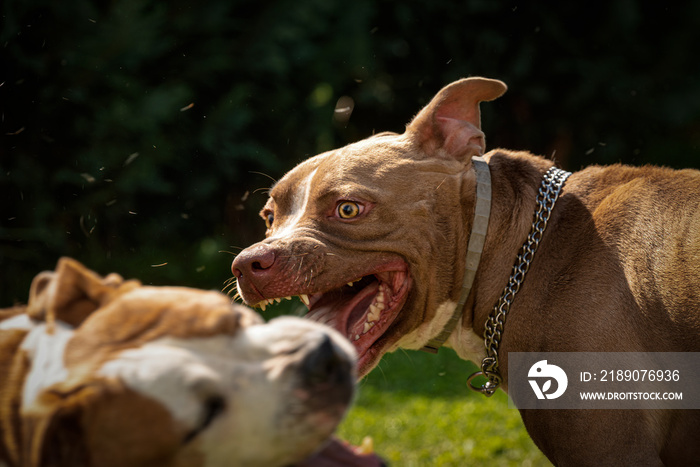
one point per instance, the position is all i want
(108, 372)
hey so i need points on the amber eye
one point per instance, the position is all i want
(269, 219)
(348, 210)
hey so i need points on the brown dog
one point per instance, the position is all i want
(373, 237)
(105, 372)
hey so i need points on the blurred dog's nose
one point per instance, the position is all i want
(253, 262)
(326, 364)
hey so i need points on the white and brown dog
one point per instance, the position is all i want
(105, 372)
(381, 239)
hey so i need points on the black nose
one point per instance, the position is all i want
(326, 364)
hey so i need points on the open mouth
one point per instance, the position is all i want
(362, 309)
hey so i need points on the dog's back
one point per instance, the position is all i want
(647, 220)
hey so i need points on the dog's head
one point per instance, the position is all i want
(113, 373)
(368, 234)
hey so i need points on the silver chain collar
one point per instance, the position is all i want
(493, 329)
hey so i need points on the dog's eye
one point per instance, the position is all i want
(269, 219)
(212, 407)
(348, 209)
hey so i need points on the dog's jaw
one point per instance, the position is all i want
(360, 303)
(364, 312)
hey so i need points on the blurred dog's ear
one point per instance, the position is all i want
(72, 292)
(450, 125)
(52, 431)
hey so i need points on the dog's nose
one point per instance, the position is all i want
(253, 261)
(325, 364)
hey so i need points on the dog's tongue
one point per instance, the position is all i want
(342, 311)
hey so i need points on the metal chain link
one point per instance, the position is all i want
(549, 191)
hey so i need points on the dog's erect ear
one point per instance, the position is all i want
(72, 292)
(450, 125)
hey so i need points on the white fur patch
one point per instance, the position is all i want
(467, 344)
(464, 341)
(45, 351)
(300, 202)
(166, 371)
(19, 322)
(426, 331)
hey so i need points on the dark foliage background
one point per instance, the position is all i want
(137, 132)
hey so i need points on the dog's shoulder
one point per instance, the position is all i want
(635, 189)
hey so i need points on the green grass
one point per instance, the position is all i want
(419, 412)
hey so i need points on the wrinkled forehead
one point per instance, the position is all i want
(364, 159)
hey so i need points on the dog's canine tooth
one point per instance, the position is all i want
(305, 299)
(263, 305)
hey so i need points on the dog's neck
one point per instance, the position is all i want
(515, 178)
(480, 222)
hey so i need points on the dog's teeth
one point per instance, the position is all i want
(278, 300)
(367, 327)
(357, 337)
(380, 295)
(263, 305)
(374, 313)
(288, 298)
(350, 283)
(304, 298)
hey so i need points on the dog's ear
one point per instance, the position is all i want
(450, 125)
(53, 432)
(99, 422)
(72, 292)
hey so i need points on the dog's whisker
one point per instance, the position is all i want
(262, 190)
(229, 280)
(311, 278)
(229, 252)
(230, 285)
(295, 255)
(440, 184)
(264, 175)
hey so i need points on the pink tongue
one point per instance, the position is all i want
(343, 312)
